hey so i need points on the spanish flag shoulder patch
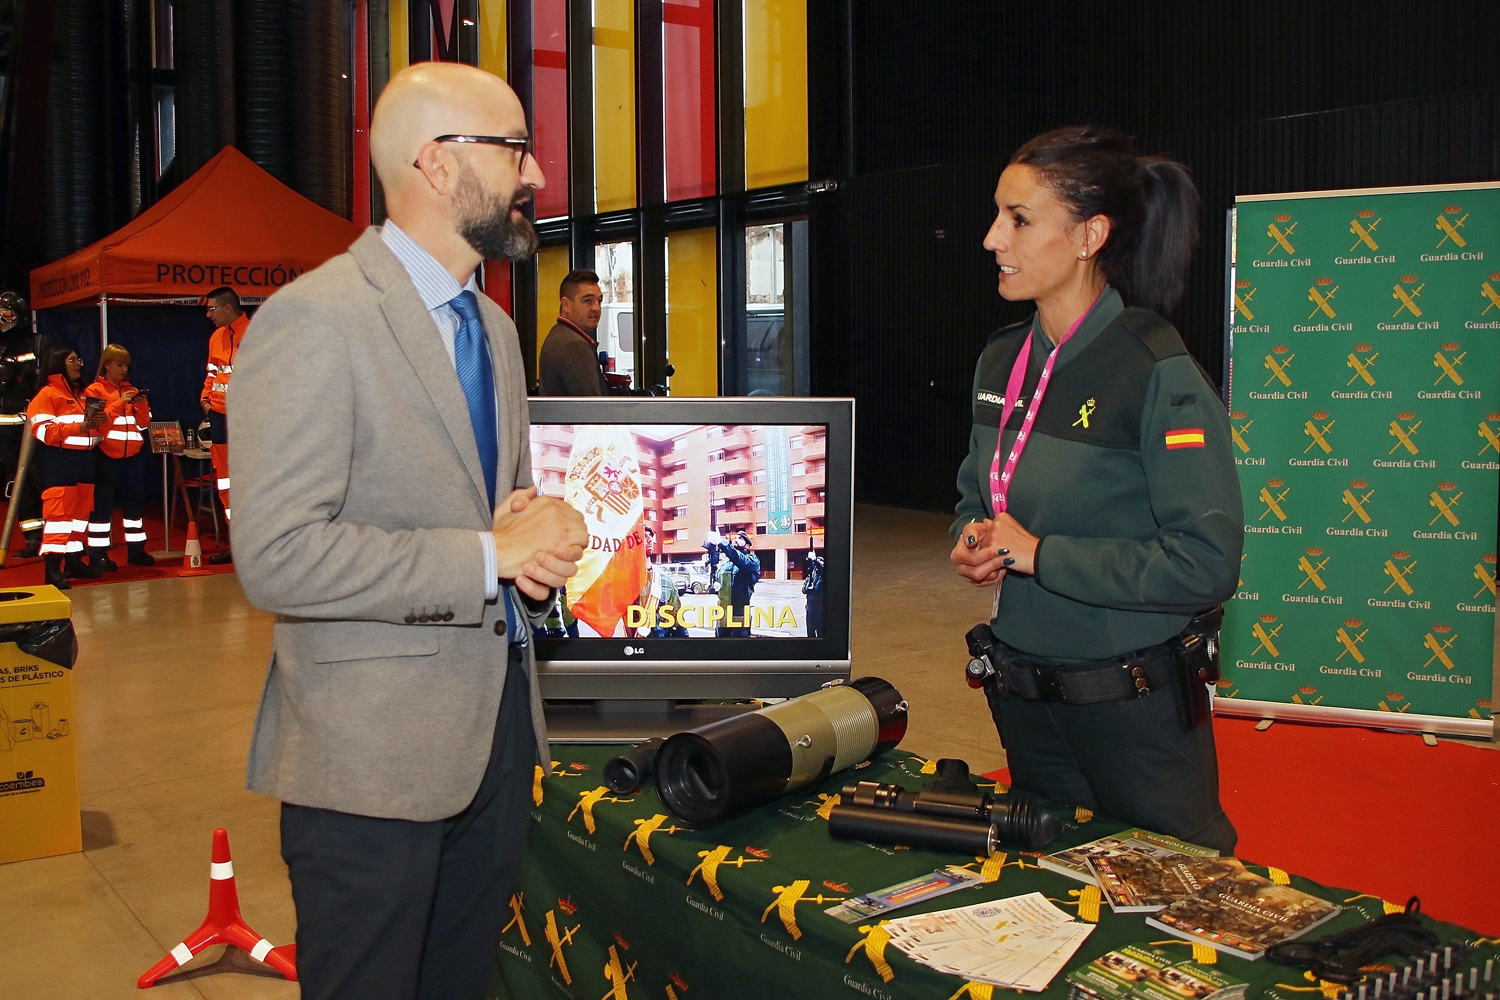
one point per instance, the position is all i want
(1185, 437)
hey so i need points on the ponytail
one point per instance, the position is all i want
(1169, 231)
(1151, 204)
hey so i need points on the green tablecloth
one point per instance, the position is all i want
(617, 901)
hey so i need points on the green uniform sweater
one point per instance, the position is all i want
(1140, 527)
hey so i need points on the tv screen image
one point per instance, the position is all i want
(720, 536)
(696, 530)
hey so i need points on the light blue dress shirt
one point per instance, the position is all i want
(437, 287)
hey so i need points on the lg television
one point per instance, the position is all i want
(719, 546)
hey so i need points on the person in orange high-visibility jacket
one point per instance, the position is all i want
(119, 466)
(224, 309)
(61, 421)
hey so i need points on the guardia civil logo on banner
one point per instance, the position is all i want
(1365, 417)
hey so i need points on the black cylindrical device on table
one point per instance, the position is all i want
(628, 772)
(950, 798)
(713, 772)
(938, 833)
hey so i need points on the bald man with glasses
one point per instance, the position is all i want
(385, 513)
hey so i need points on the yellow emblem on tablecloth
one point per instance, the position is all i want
(874, 941)
(618, 976)
(518, 921)
(644, 828)
(709, 866)
(557, 939)
(588, 800)
(787, 898)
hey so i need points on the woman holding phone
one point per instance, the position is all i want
(69, 430)
(119, 470)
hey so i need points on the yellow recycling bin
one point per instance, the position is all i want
(38, 768)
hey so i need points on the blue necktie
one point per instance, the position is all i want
(472, 358)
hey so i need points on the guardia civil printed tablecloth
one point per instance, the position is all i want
(617, 901)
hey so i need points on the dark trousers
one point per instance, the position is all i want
(397, 910)
(1127, 759)
(119, 481)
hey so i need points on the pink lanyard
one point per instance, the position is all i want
(1000, 480)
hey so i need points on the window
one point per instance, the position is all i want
(615, 263)
(799, 468)
(716, 456)
(550, 96)
(799, 497)
(714, 432)
(757, 450)
(651, 513)
(650, 493)
(795, 441)
(760, 503)
(688, 86)
(758, 477)
(760, 529)
(800, 527)
(680, 490)
(682, 512)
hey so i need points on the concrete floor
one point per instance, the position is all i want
(165, 693)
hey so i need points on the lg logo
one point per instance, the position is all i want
(635, 650)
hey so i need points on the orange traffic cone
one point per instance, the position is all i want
(192, 554)
(224, 925)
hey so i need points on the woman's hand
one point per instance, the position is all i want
(975, 558)
(1016, 546)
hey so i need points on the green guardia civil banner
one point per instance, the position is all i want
(1365, 399)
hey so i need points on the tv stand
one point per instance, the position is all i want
(631, 720)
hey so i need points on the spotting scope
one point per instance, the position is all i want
(726, 767)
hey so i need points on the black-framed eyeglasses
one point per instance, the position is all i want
(521, 144)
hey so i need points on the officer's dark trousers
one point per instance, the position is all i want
(398, 910)
(1129, 760)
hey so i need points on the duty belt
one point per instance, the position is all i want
(1124, 677)
(1132, 675)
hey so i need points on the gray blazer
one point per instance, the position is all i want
(357, 495)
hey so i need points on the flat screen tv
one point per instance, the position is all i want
(718, 562)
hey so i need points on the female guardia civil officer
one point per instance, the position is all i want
(1107, 514)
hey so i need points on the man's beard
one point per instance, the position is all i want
(486, 223)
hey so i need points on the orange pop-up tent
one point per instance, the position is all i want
(231, 223)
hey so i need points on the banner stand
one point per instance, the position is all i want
(1364, 396)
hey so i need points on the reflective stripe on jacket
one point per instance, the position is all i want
(56, 415)
(222, 347)
(124, 423)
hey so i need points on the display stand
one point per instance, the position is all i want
(166, 439)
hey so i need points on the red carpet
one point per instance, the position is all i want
(29, 572)
(1380, 812)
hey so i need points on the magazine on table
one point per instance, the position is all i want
(1244, 914)
(1073, 862)
(1143, 972)
(1139, 883)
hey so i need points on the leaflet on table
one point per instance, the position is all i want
(1073, 862)
(1019, 943)
(912, 891)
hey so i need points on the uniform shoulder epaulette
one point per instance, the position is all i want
(1156, 334)
(1022, 325)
